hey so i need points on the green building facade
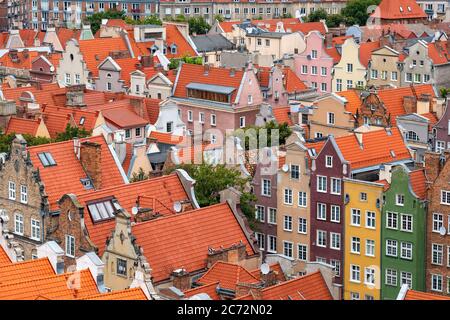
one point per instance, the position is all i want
(404, 228)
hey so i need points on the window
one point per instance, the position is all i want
(354, 295)
(436, 282)
(370, 219)
(102, 210)
(213, 119)
(408, 77)
(287, 248)
(406, 249)
(127, 134)
(77, 78)
(349, 84)
(370, 248)
(363, 196)
(406, 278)
(355, 273)
(400, 200)
(190, 116)
(369, 297)
(35, 229)
(329, 161)
(249, 99)
(349, 67)
(335, 214)
(288, 196)
(201, 117)
(338, 85)
(314, 54)
(18, 223)
(391, 277)
(448, 257)
(302, 226)
(335, 241)
(169, 128)
(336, 266)
(266, 189)
(67, 78)
(242, 122)
(302, 252)
(321, 238)
(304, 69)
(440, 146)
(406, 222)
(335, 186)
(323, 87)
(445, 197)
(314, 70)
(12, 190)
(438, 222)
(46, 159)
(356, 217)
(70, 246)
(138, 130)
(411, 135)
(321, 211)
(321, 184)
(392, 220)
(121, 267)
(391, 248)
(369, 276)
(374, 74)
(302, 199)
(394, 76)
(261, 240)
(295, 171)
(287, 223)
(436, 253)
(272, 244)
(260, 212)
(272, 215)
(356, 245)
(323, 71)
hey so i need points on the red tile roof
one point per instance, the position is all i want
(123, 118)
(53, 287)
(438, 52)
(432, 119)
(56, 122)
(216, 76)
(309, 287)
(127, 294)
(22, 126)
(417, 295)
(385, 184)
(399, 9)
(365, 51)
(228, 275)
(333, 53)
(167, 190)
(209, 289)
(418, 183)
(65, 176)
(377, 147)
(65, 34)
(353, 100)
(183, 240)
(23, 60)
(152, 106)
(174, 36)
(276, 267)
(24, 271)
(166, 138)
(4, 258)
(292, 81)
(89, 117)
(281, 114)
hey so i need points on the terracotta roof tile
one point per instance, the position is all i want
(228, 275)
(418, 183)
(333, 53)
(209, 289)
(24, 271)
(281, 114)
(174, 36)
(417, 295)
(123, 118)
(65, 34)
(56, 123)
(390, 10)
(377, 147)
(127, 294)
(4, 258)
(432, 119)
(23, 60)
(309, 287)
(22, 126)
(166, 138)
(292, 81)
(365, 51)
(182, 240)
(353, 100)
(385, 184)
(152, 106)
(276, 267)
(82, 118)
(438, 52)
(65, 176)
(53, 287)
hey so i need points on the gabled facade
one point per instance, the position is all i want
(384, 68)
(72, 67)
(403, 232)
(417, 65)
(415, 129)
(441, 131)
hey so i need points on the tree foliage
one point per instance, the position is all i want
(355, 12)
(95, 20)
(198, 25)
(72, 132)
(444, 92)
(7, 139)
(140, 175)
(151, 19)
(317, 15)
(175, 63)
(219, 18)
(254, 133)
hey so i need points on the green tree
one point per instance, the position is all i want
(198, 25)
(444, 92)
(72, 132)
(355, 12)
(152, 19)
(95, 20)
(139, 176)
(317, 15)
(219, 18)
(7, 139)
(255, 133)
(175, 63)
(334, 20)
(5, 142)
(286, 15)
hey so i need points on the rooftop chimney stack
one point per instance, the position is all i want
(90, 157)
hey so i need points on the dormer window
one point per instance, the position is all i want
(173, 49)
(401, 9)
(87, 183)
(153, 49)
(82, 119)
(46, 159)
(102, 210)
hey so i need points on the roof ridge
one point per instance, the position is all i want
(292, 280)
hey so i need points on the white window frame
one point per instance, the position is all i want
(11, 190)
(35, 229)
(69, 239)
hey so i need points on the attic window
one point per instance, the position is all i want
(401, 9)
(392, 153)
(87, 183)
(82, 119)
(102, 210)
(173, 49)
(409, 8)
(46, 159)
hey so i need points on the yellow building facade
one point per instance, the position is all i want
(362, 250)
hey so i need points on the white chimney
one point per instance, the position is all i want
(54, 253)
(76, 147)
(96, 266)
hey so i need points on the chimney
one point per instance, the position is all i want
(181, 279)
(434, 163)
(255, 290)
(232, 72)
(410, 104)
(95, 265)
(76, 147)
(269, 279)
(386, 172)
(328, 40)
(384, 40)
(147, 61)
(54, 253)
(206, 68)
(138, 105)
(90, 158)
(424, 104)
(75, 96)
(234, 254)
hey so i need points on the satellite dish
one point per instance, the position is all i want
(134, 210)
(177, 206)
(442, 231)
(285, 167)
(265, 268)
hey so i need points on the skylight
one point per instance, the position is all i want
(82, 120)
(102, 210)
(401, 9)
(46, 159)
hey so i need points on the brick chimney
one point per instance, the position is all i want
(138, 105)
(147, 61)
(181, 279)
(234, 254)
(328, 40)
(269, 279)
(410, 104)
(243, 289)
(90, 158)
(434, 162)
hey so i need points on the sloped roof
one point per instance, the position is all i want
(127, 294)
(152, 106)
(292, 81)
(89, 117)
(418, 295)
(228, 275)
(365, 51)
(398, 9)
(209, 289)
(212, 42)
(418, 183)
(22, 126)
(174, 36)
(65, 176)
(281, 114)
(309, 287)
(438, 52)
(353, 100)
(27, 270)
(123, 118)
(4, 258)
(183, 240)
(166, 138)
(276, 267)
